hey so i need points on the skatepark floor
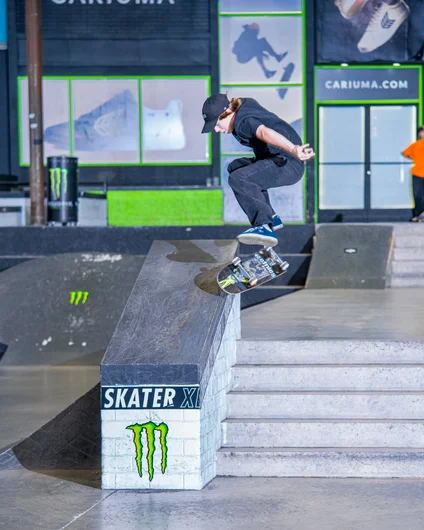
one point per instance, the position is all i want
(34, 500)
(310, 314)
(59, 499)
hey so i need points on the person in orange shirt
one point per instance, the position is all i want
(416, 153)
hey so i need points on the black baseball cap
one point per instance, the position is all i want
(212, 109)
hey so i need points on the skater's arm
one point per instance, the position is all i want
(269, 136)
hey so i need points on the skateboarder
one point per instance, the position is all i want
(278, 161)
(249, 45)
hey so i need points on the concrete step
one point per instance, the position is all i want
(329, 352)
(408, 229)
(321, 462)
(405, 280)
(412, 268)
(319, 433)
(415, 241)
(329, 405)
(408, 254)
(327, 377)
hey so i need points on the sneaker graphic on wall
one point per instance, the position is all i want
(350, 8)
(384, 23)
(163, 129)
(112, 126)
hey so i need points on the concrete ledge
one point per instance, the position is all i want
(174, 316)
(167, 370)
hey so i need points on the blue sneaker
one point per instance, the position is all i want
(258, 235)
(277, 223)
(113, 125)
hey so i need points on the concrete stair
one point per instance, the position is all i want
(325, 409)
(407, 267)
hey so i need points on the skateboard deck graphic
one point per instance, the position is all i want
(244, 274)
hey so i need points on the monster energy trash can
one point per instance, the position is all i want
(62, 201)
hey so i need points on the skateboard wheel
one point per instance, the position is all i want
(236, 261)
(253, 282)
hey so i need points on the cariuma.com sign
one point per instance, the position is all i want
(122, 2)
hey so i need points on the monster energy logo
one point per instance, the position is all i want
(58, 176)
(78, 297)
(150, 429)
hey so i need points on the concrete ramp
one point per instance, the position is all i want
(350, 257)
(63, 309)
(69, 441)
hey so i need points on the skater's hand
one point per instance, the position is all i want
(303, 152)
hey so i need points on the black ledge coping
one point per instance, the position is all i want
(173, 322)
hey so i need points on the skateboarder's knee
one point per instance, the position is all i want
(234, 180)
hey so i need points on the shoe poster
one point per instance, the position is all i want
(261, 49)
(55, 118)
(106, 121)
(286, 102)
(369, 30)
(170, 128)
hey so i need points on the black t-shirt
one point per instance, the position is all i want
(249, 117)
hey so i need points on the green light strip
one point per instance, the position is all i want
(20, 147)
(270, 14)
(71, 120)
(365, 66)
(262, 85)
(316, 179)
(140, 122)
(210, 136)
(367, 101)
(304, 117)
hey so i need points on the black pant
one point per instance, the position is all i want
(250, 180)
(418, 189)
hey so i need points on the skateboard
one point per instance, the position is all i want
(288, 70)
(243, 274)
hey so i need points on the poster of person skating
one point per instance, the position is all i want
(261, 49)
(369, 30)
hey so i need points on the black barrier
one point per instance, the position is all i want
(62, 202)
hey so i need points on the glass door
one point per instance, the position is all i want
(392, 129)
(362, 175)
(341, 158)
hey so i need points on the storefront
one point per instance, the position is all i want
(364, 117)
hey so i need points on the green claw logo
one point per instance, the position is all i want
(78, 297)
(229, 280)
(150, 429)
(58, 182)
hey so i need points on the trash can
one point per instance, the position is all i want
(62, 194)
